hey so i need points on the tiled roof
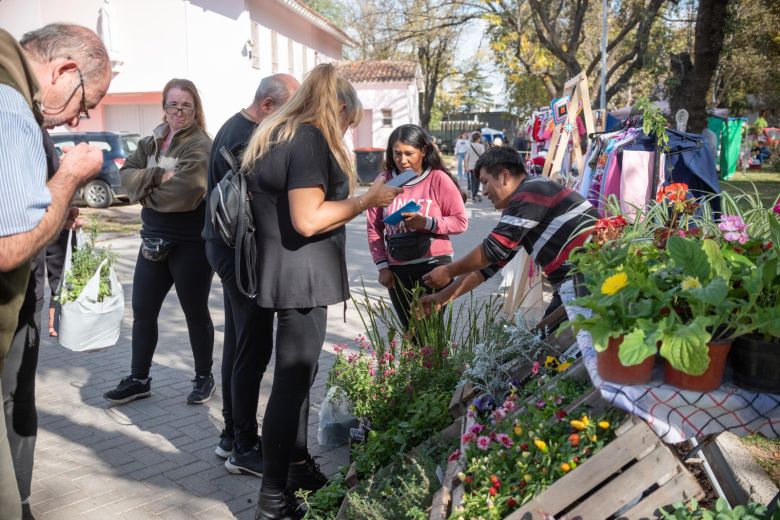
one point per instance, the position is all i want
(369, 71)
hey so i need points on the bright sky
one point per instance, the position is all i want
(472, 37)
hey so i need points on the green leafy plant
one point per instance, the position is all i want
(722, 511)
(84, 262)
(653, 122)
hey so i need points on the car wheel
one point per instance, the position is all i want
(97, 194)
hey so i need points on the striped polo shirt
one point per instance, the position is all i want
(548, 220)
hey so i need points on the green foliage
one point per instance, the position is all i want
(324, 503)
(653, 121)
(85, 262)
(694, 511)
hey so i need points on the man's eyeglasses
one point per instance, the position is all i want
(174, 110)
(83, 111)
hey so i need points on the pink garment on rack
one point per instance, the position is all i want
(636, 180)
(581, 126)
(548, 130)
(611, 182)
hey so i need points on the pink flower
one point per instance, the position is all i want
(499, 414)
(504, 439)
(734, 229)
(426, 351)
(483, 442)
(467, 438)
(455, 455)
(509, 405)
(476, 429)
(535, 368)
(776, 209)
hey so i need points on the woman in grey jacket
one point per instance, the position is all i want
(168, 174)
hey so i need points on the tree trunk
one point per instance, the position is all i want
(692, 92)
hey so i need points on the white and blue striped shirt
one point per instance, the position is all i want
(24, 196)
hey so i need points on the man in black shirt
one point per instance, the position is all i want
(246, 324)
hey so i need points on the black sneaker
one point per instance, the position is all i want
(278, 506)
(129, 389)
(306, 475)
(225, 446)
(202, 389)
(249, 463)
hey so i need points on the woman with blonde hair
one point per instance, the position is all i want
(301, 180)
(167, 174)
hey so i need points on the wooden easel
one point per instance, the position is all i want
(577, 90)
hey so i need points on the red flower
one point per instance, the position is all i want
(524, 447)
(574, 440)
(676, 192)
(560, 414)
(511, 502)
(493, 491)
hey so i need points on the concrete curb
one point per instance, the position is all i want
(741, 477)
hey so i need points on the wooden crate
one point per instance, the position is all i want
(633, 475)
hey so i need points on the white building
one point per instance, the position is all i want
(390, 93)
(224, 46)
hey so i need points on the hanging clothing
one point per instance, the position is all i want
(696, 168)
(729, 134)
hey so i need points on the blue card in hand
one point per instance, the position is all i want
(395, 218)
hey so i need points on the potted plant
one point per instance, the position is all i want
(626, 306)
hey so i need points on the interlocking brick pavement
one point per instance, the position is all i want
(154, 458)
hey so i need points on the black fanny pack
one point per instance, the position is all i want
(409, 246)
(156, 249)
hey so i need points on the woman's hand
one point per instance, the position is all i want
(379, 195)
(166, 176)
(387, 278)
(414, 220)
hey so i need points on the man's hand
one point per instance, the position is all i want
(387, 278)
(438, 277)
(72, 220)
(432, 303)
(414, 220)
(82, 162)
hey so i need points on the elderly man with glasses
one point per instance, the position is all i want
(50, 78)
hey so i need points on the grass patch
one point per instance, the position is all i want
(764, 183)
(767, 454)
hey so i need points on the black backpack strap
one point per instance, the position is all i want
(229, 158)
(246, 252)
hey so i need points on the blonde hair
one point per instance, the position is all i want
(318, 102)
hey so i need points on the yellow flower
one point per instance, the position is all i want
(577, 425)
(565, 467)
(518, 430)
(594, 438)
(614, 283)
(527, 477)
(541, 445)
(603, 425)
(690, 283)
(585, 420)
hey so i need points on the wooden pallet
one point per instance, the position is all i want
(630, 478)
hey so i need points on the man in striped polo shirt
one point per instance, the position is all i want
(547, 219)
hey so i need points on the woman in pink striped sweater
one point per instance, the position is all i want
(407, 251)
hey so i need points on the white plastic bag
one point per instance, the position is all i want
(335, 419)
(86, 323)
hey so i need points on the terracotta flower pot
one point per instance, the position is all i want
(710, 379)
(611, 369)
(756, 364)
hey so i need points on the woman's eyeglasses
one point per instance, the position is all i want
(174, 110)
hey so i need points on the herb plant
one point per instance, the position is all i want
(84, 263)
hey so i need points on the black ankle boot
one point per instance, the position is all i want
(278, 506)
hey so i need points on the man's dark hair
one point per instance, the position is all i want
(59, 40)
(498, 158)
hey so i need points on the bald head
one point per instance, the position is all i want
(58, 40)
(273, 92)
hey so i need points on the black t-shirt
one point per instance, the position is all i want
(295, 272)
(234, 135)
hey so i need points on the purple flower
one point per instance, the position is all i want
(484, 403)
(776, 209)
(483, 442)
(734, 229)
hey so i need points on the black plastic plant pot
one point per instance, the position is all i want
(579, 285)
(756, 364)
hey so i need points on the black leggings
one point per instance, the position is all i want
(407, 277)
(300, 334)
(246, 351)
(185, 267)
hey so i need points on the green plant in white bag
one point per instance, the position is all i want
(85, 261)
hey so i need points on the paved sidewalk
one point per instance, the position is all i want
(154, 458)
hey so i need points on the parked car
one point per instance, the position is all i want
(104, 189)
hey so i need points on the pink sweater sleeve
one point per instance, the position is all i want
(453, 219)
(375, 228)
